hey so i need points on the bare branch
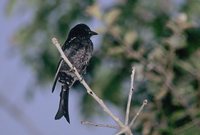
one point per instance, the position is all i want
(130, 96)
(138, 113)
(126, 130)
(98, 125)
(123, 128)
(82, 81)
(120, 132)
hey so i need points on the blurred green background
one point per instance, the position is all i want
(160, 38)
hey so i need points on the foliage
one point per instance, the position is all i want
(160, 38)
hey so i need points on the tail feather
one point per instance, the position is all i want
(57, 74)
(63, 105)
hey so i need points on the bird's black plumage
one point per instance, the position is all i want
(78, 49)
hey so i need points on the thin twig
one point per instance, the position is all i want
(82, 81)
(120, 132)
(99, 125)
(130, 96)
(138, 113)
(126, 130)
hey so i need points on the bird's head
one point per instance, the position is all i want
(81, 30)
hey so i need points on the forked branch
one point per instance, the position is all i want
(122, 127)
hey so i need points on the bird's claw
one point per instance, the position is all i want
(72, 69)
(81, 79)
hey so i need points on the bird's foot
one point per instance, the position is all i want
(72, 69)
(81, 79)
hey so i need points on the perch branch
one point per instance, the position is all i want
(82, 81)
(123, 128)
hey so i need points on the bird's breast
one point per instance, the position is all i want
(82, 57)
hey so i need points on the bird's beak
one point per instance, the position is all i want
(93, 33)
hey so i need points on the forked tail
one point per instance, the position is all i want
(63, 105)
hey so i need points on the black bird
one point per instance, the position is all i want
(78, 49)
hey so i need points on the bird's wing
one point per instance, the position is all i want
(64, 47)
(67, 43)
(56, 76)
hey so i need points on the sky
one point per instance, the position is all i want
(36, 116)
